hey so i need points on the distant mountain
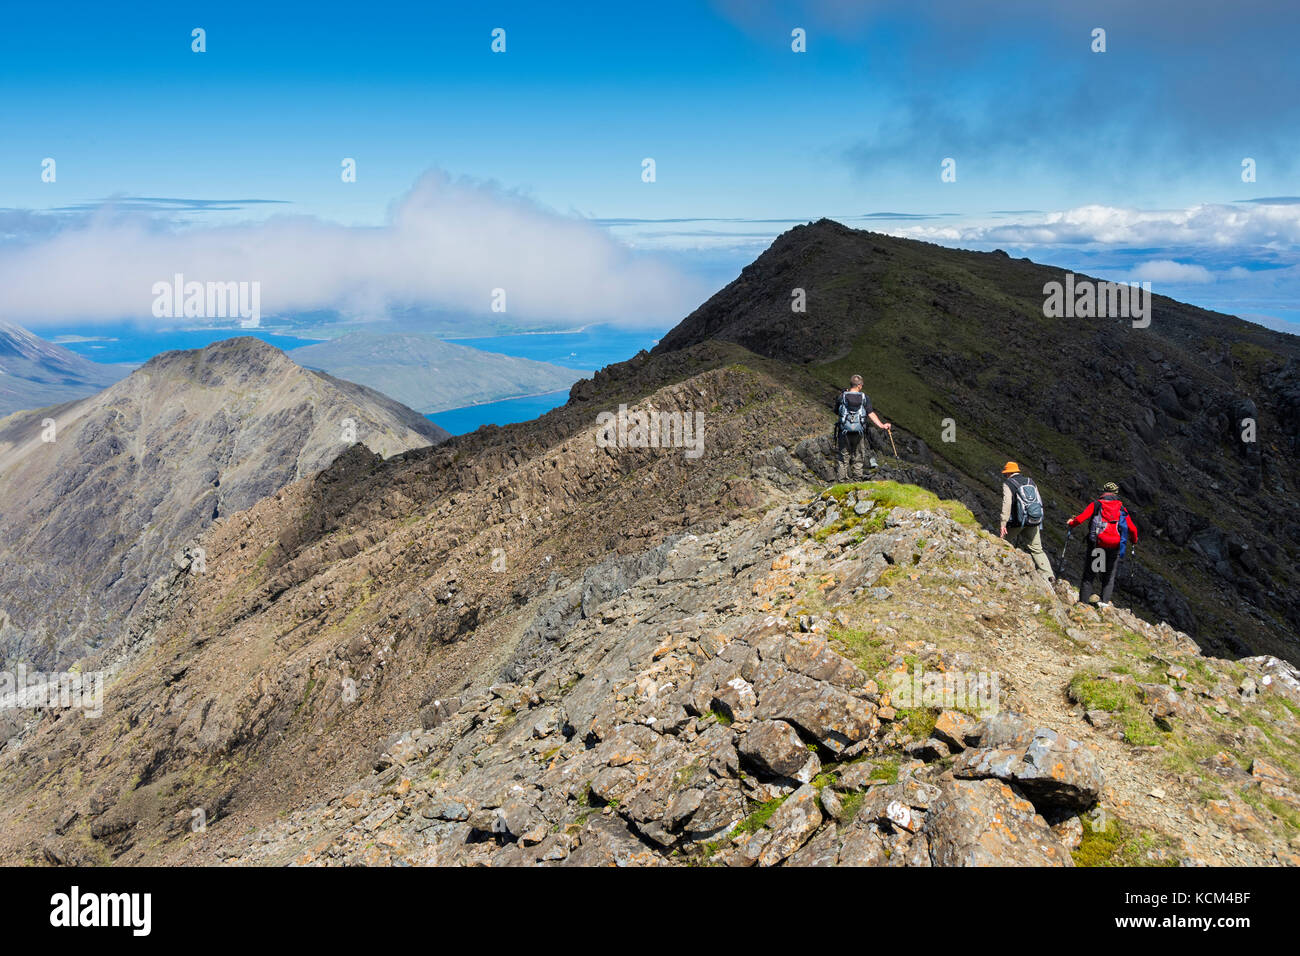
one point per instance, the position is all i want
(90, 519)
(35, 373)
(430, 375)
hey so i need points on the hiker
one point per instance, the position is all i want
(1022, 510)
(852, 410)
(1109, 529)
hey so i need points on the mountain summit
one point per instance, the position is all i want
(96, 495)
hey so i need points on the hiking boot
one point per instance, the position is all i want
(1103, 604)
(873, 463)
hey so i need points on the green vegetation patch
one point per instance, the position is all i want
(889, 495)
(1286, 814)
(849, 806)
(1118, 844)
(887, 769)
(759, 817)
(863, 648)
(1121, 700)
(918, 722)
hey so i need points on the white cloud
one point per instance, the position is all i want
(1167, 270)
(447, 245)
(1242, 259)
(1204, 225)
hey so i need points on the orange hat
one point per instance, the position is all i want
(1011, 468)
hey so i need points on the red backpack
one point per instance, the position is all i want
(1109, 525)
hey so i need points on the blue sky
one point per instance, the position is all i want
(1127, 161)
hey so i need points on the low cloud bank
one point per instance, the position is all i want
(1207, 225)
(449, 244)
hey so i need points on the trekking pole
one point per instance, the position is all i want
(1061, 560)
(890, 432)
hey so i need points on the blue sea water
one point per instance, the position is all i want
(462, 421)
(131, 344)
(590, 348)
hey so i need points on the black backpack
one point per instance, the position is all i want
(853, 418)
(1026, 502)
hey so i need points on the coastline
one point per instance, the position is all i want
(509, 398)
(501, 335)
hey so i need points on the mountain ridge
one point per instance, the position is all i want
(452, 655)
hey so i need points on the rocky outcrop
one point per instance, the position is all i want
(986, 823)
(681, 720)
(1054, 771)
(738, 697)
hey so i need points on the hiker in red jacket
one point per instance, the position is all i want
(1110, 528)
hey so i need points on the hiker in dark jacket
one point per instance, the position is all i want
(1110, 529)
(852, 410)
(1022, 508)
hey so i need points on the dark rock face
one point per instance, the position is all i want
(755, 310)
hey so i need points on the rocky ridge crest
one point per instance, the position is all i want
(739, 703)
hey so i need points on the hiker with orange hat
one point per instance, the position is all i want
(1022, 509)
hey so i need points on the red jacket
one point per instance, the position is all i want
(1110, 511)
